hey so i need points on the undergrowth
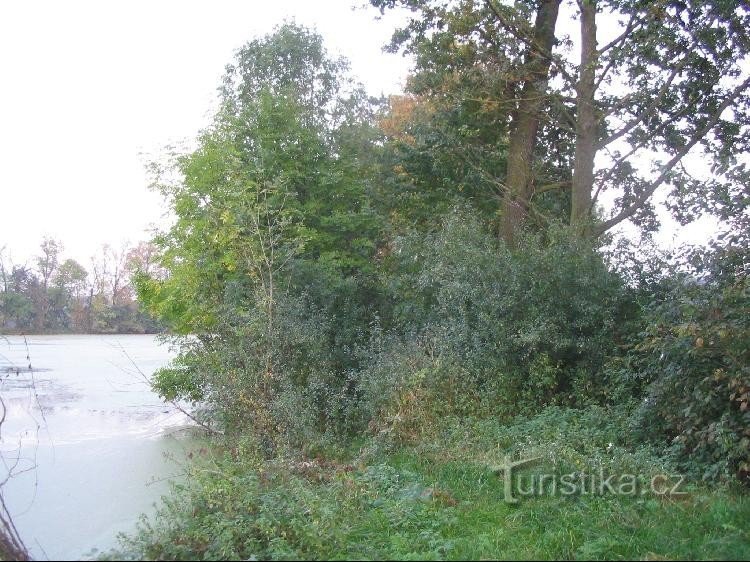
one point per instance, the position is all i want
(441, 499)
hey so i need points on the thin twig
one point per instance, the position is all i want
(173, 403)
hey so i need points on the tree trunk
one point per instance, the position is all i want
(586, 122)
(519, 181)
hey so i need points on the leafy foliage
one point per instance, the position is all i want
(694, 354)
(538, 322)
(334, 271)
(271, 255)
(669, 80)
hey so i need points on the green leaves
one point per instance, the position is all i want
(695, 354)
(536, 324)
(269, 258)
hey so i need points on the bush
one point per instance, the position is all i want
(236, 507)
(695, 358)
(534, 324)
(470, 327)
(287, 381)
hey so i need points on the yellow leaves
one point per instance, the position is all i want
(657, 11)
(403, 112)
(400, 171)
(226, 217)
(243, 398)
(740, 394)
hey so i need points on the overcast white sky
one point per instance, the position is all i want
(85, 86)
(88, 85)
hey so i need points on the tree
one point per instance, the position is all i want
(670, 80)
(46, 266)
(143, 258)
(482, 113)
(5, 279)
(47, 263)
(63, 298)
(109, 271)
(526, 115)
(18, 303)
(71, 277)
(118, 260)
(67, 295)
(270, 260)
(285, 127)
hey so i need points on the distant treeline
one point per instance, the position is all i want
(52, 294)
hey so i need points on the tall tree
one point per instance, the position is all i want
(71, 277)
(673, 79)
(638, 98)
(48, 261)
(18, 299)
(70, 285)
(47, 264)
(143, 258)
(479, 110)
(281, 141)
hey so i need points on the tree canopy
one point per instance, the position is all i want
(622, 108)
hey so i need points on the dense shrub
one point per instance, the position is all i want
(535, 323)
(286, 374)
(458, 324)
(257, 376)
(695, 357)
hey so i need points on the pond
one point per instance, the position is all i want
(93, 446)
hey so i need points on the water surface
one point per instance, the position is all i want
(98, 445)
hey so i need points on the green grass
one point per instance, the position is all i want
(710, 525)
(439, 500)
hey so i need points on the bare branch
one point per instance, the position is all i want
(174, 403)
(615, 166)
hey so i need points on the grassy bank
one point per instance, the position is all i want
(436, 496)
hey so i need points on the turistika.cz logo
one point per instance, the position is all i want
(518, 485)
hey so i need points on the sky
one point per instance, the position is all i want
(89, 88)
